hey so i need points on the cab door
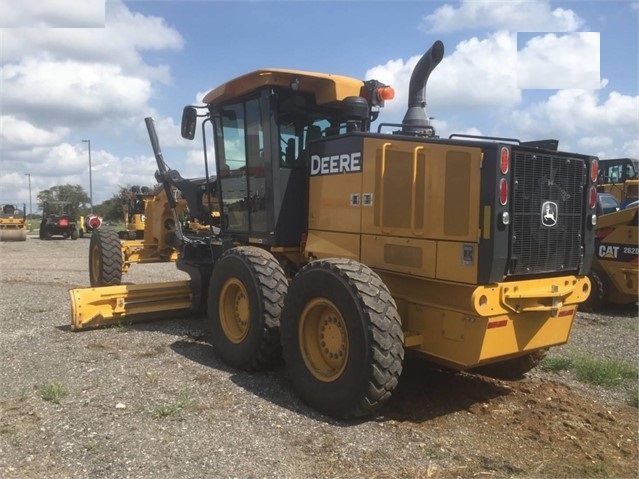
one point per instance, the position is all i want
(241, 165)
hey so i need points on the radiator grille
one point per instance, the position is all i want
(547, 209)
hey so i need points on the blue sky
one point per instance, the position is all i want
(86, 69)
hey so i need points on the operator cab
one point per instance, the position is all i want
(263, 124)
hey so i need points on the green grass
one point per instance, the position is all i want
(556, 364)
(11, 433)
(123, 326)
(598, 372)
(608, 373)
(605, 372)
(183, 402)
(52, 391)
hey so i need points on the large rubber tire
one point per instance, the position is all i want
(595, 300)
(512, 369)
(105, 258)
(74, 234)
(246, 294)
(342, 338)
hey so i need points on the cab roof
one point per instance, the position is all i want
(326, 87)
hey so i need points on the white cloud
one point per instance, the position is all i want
(17, 134)
(120, 42)
(629, 149)
(110, 172)
(67, 93)
(594, 142)
(511, 15)
(60, 83)
(582, 116)
(52, 13)
(560, 61)
(476, 84)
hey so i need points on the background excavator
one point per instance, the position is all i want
(340, 248)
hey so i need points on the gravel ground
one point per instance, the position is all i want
(153, 400)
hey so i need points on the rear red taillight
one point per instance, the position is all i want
(497, 324)
(503, 191)
(505, 160)
(593, 197)
(63, 222)
(594, 169)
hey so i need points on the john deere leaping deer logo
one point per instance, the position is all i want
(549, 214)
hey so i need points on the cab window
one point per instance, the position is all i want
(241, 162)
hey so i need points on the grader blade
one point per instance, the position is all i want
(108, 305)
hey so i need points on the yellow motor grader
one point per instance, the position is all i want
(341, 248)
(145, 240)
(133, 210)
(13, 223)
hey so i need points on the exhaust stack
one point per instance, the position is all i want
(415, 121)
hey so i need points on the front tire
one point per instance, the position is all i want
(246, 294)
(342, 338)
(105, 258)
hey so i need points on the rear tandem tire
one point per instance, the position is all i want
(246, 294)
(342, 338)
(105, 258)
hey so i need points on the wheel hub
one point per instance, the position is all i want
(234, 310)
(332, 340)
(323, 339)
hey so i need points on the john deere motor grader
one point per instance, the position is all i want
(342, 248)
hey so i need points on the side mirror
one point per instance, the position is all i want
(189, 122)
